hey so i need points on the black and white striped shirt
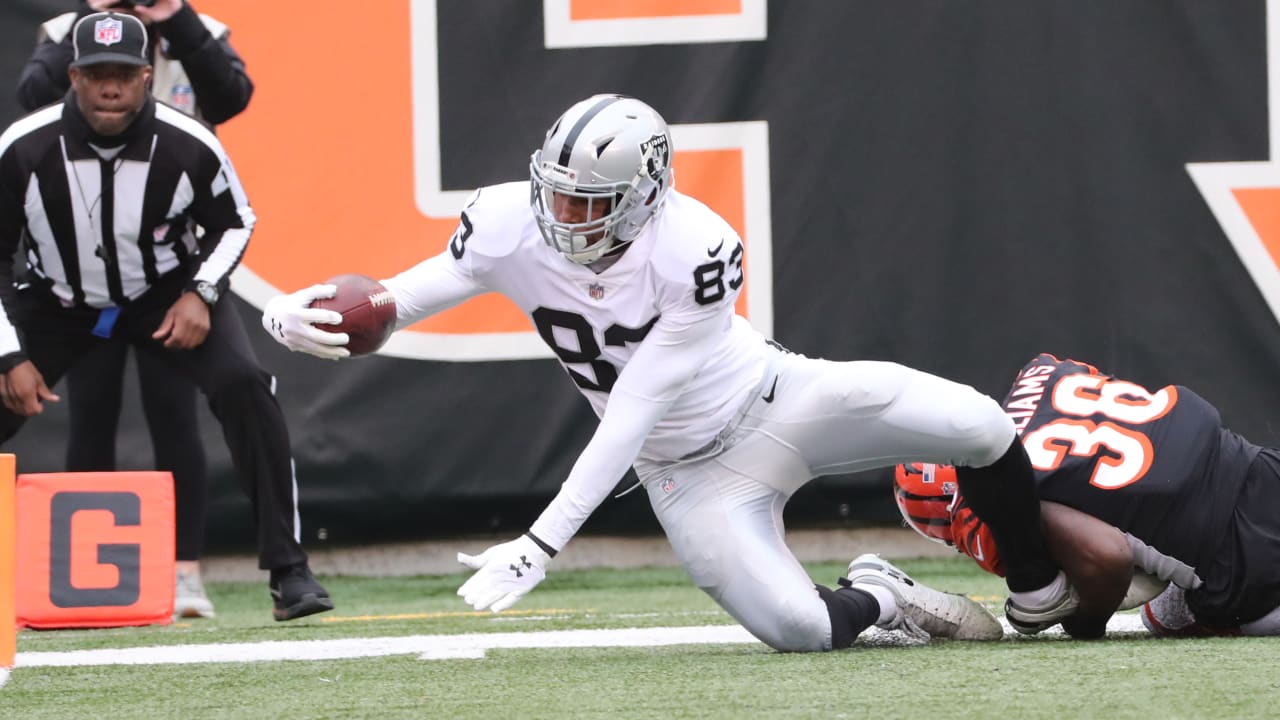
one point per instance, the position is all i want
(102, 219)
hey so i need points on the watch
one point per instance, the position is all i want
(208, 292)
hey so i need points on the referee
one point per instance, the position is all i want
(103, 193)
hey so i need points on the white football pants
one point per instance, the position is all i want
(722, 512)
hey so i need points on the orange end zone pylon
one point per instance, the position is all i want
(8, 565)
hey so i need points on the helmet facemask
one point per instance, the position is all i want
(606, 149)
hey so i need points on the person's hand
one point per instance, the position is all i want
(504, 574)
(186, 325)
(24, 391)
(293, 324)
(161, 11)
(158, 13)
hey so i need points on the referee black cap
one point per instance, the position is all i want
(108, 37)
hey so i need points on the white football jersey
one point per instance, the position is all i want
(653, 342)
(684, 268)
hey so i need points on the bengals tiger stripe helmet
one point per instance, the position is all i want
(925, 493)
(928, 496)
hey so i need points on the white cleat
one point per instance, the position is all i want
(921, 608)
(1168, 615)
(189, 598)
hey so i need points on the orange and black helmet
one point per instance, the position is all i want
(928, 496)
(924, 493)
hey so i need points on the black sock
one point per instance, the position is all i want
(851, 611)
(1003, 495)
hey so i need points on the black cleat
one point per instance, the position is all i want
(296, 593)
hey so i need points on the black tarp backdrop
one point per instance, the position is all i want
(955, 186)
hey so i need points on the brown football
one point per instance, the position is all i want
(368, 311)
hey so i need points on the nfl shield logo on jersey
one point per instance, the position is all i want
(108, 31)
(668, 485)
(183, 98)
(596, 291)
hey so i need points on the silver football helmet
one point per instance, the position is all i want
(606, 149)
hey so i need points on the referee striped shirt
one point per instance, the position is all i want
(102, 219)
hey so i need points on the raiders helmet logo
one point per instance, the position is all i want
(657, 155)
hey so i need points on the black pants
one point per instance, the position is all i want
(223, 367)
(93, 394)
(1242, 583)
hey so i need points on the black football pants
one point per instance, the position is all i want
(223, 367)
(93, 396)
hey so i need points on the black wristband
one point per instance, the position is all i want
(14, 359)
(550, 551)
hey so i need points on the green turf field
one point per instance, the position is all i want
(1051, 677)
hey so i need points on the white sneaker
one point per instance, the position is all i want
(921, 608)
(189, 600)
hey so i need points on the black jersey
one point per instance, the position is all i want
(1156, 464)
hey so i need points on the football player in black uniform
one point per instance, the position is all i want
(1131, 478)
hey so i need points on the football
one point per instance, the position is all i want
(368, 311)
(1142, 589)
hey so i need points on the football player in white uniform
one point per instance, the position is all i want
(633, 284)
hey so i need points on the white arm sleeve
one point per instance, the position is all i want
(669, 357)
(435, 284)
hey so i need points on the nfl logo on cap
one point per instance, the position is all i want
(108, 31)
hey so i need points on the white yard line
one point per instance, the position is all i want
(470, 645)
(426, 647)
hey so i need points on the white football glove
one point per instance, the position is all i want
(504, 573)
(288, 319)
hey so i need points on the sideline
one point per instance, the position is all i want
(440, 647)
